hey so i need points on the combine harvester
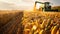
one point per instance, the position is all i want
(45, 6)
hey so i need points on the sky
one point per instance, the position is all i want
(23, 4)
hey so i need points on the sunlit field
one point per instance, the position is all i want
(7, 15)
(29, 22)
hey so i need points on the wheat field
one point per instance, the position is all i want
(27, 22)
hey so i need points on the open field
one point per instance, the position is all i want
(6, 15)
(22, 22)
(10, 21)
